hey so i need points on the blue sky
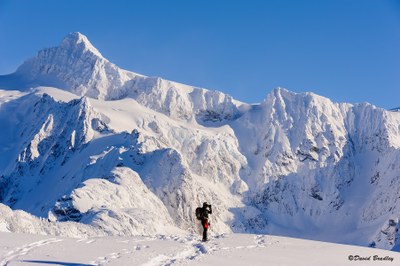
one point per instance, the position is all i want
(347, 50)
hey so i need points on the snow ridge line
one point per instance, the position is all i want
(25, 249)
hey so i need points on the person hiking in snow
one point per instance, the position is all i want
(205, 211)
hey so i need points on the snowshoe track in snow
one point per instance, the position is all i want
(235, 249)
(106, 259)
(25, 249)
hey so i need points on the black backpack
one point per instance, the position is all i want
(199, 213)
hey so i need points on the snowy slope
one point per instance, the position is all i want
(89, 152)
(226, 249)
(89, 148)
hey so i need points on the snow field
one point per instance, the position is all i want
(224, 249)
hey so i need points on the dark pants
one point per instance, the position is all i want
(204, 223)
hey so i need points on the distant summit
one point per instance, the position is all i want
(78, 67)
(78, 41)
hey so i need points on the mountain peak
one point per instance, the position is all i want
(78, 41)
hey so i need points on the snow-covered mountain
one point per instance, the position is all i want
(89, 147)
(76, 66)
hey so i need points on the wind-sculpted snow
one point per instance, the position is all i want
(117, 153)
(317, 165)
(22, 222)
(72, 165)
